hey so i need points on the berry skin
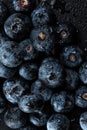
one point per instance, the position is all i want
(38, 87)
(3, 12)
(13, 89)
(22, 5)
(6, 72)
(83, 73)
(28, 71)
(38, 119)
(29, 52)
(71, 56)
(62, 102)
(31, 103)
(10, 54)
(43, 39)
(14, 118)
(65, 34)
(83, 121)
(58, 122)
(51, 72)
(72, 79)
(2, 104)
(17, 26)
(81, 97)
(41, 16)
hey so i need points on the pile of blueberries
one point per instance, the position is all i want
(43, 71)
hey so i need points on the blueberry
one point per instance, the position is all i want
(43, 39)
(58, 122)
(10, 54)
(81, 97)
(6, 72)
(3, 12)
(14, 88)
(38, 87)
(62, 102)
(29, 52)
(14, 118)
(83, 121)
(71, 56)
(38, 119)
(2, 104)
(51, 72)
(65, 34)
(42, 16)
(72, 79)
(29, 71)
(17, 26)
(22, 5)
(31, 103)
(83, 72)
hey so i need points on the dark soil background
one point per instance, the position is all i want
(74, 11)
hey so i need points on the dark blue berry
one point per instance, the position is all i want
(14, 118)
(14, 88)
(83, 73)
(38, 119)
(81, 97)
(38, 87)
(51, 72)
(3, 12)
(22, 5)
(10, 54)
(83, 121)
(31, 103)
(29, 52)
(41, 16)
(71, 56)
(17, 26)
(58, 122)
(65, 34)
(43, 39)
(62, 102)
(6, 72)
(72, 79)
(28, 71)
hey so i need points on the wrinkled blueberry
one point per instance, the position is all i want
(58, 122)
(81, 97)
(38, 119)
(43, 39)
(10, 54)
(28, 71)
(13, 89)
(65, 34)
(31, 103)
(29, 52)
(38, 87)
(14, 118)
(51, 72)
(62, 102)
(71, 56)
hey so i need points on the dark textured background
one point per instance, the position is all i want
(74, 11)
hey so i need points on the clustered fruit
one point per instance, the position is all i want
(43, 72)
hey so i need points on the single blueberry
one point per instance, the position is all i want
(51, 72)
